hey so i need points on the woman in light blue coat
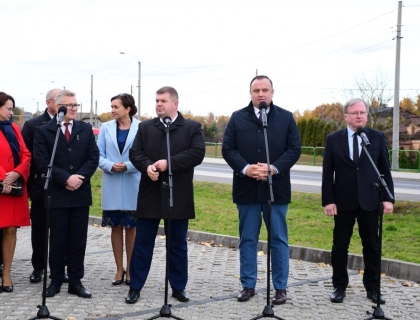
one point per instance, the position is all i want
(120, 180)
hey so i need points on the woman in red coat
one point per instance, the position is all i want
(14, 163)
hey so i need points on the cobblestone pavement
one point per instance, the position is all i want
(213, 285)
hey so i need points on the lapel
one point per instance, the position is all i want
(112, 130)
(251, 114)
(344, 142)
(75, 131)
(131, 134)
(177, 123)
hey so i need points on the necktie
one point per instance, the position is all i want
(259, 116)
(67, 132)
(355, 149)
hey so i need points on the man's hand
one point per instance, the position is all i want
(253, 171)
(161, 165)
(74, 182)
(330, 209)
(388, 207)
(119, 167)
(152, 172)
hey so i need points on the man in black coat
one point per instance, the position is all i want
(76, 160)
(349, 194)
(244, 150)
(36, 189)
(149, 155)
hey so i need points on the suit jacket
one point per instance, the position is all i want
(350, 185)
(243, 144)
(119, 190)
(35, 181)
(187, 148)
(79, 156)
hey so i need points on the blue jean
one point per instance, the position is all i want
(249, 230)
(144, 244)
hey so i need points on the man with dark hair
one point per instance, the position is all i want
(348, 194)
(36, 189)
(245, 152)
(76, 160)
(149, 155)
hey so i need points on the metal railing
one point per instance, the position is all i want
(409, 159)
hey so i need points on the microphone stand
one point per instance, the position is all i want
(165, 311)
(268, 309)
(381, 186)
(43, 312)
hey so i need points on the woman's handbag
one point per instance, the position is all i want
(17, 188)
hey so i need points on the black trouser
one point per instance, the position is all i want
(38, 219)
(368, 230)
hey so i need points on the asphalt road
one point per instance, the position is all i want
(308, 179)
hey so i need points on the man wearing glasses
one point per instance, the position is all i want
(348, 194)
(76, 160)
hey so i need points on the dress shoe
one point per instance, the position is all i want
(118, 282)
(373, 295)
(338, 295)
(280, 297)
(36, 276)
(6, 288)
(80, 291)
(127, 282)
(246, 294)
(180, 295)
(52, 290)
(132, 296)
(66, 278)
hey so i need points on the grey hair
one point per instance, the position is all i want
(63, 93)
(352, 102)
(49, 93)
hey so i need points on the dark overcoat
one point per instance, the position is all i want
(35, 181)
(187, 151)
(79, 156)
(244, 143)
(350, 185)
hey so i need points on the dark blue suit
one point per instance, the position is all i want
(36, 193)
(351, 187)
(69, 209)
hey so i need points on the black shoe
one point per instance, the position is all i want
(180, 295)
(36, 276)
(132, 296)
(373, 295)
(127, 282)
(66, 278)
(80, 291)
(246, 294)
(52, 290)
(338, 295)
(6, 288)
(118, 282)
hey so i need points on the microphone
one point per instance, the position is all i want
(62, 111)
(263, 109)
(167, 120)
(361, 132)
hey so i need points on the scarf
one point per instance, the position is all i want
(6, 128)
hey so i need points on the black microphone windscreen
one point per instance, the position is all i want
(167, 120)
(62, 109)
(360, 130)
(263, 105)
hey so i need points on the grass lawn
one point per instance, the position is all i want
(308, 226)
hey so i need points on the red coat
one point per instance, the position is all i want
(14, 211)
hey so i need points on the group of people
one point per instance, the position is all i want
(133, 156)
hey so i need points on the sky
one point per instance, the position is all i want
(313, 50)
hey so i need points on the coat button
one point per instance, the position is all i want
(69, 149)
(258, 150)
(70, 167)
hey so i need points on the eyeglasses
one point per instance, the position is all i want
(70, 106)
(357, 113)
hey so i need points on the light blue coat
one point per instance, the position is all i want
(119, 190)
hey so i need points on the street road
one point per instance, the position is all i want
(405, 188)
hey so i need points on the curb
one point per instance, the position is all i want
(392, 268)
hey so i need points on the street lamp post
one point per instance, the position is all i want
(139, 79)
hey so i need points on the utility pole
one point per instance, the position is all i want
(396, 115)
(91, 100)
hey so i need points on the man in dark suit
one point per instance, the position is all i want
(149, 155)
(244, 150)
(76, 160)
(348, 194)
(36, 189)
